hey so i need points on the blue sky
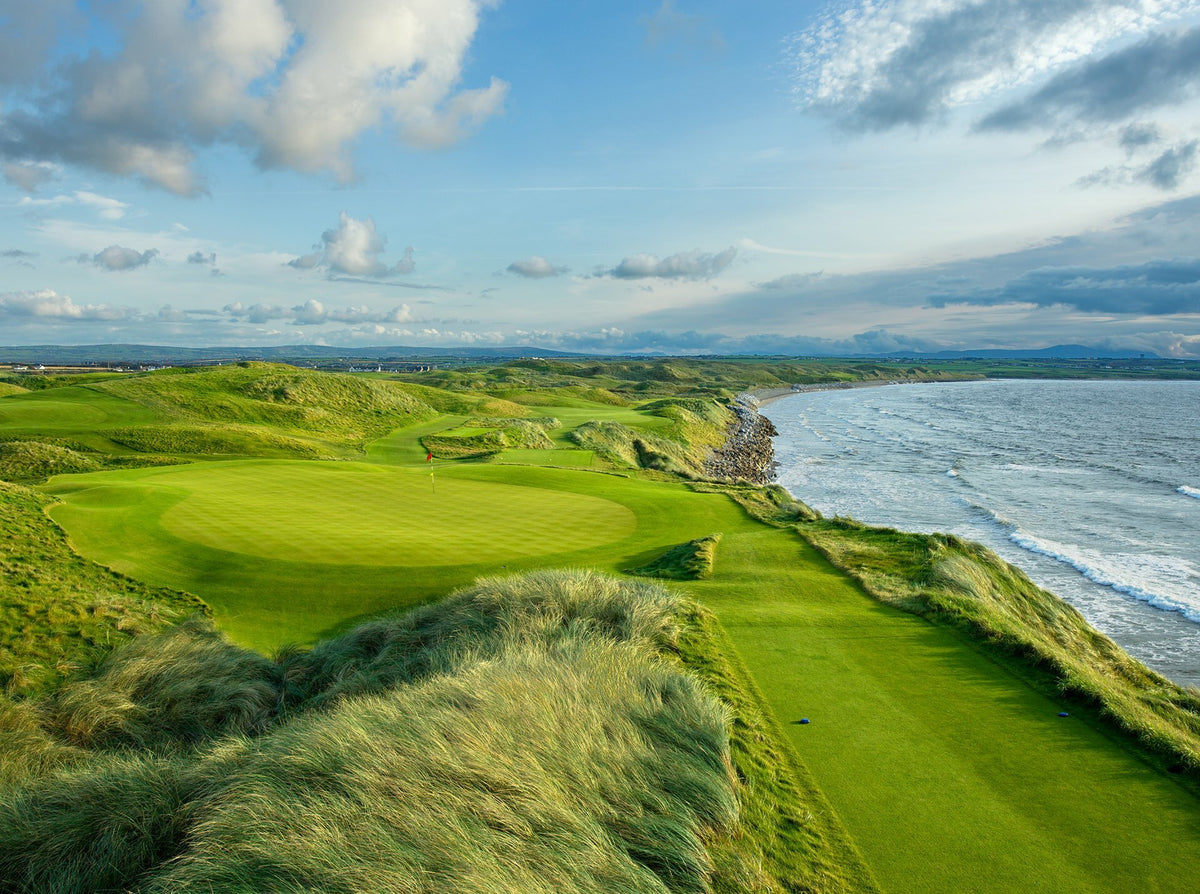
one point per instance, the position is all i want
(674, 175)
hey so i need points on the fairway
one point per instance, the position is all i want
(950, 773)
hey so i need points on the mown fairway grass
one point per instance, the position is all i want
(950, 773)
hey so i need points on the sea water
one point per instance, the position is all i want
(1092, 487)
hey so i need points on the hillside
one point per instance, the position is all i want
(844, 708)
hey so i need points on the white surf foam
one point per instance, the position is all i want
(1166, 583)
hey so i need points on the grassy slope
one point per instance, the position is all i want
(907, 691)
(57, 610)
(437, 752)
(250, 409)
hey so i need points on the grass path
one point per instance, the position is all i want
(950, 773)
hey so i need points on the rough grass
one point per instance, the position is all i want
(679, 445)
(528, 734)
(59, 611)
(30, 460)
(341, 409)
(486, 436)
(964, 584)
(687, 561)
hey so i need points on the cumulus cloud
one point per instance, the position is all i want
(614, 339)
(199, 257)
(292, 81)
(353, 248)
(118, 257)
(48, 304)
(535, 267)
(685, 265)
(16, 253)
(877, 65)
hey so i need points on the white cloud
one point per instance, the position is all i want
(685, 265)
(535, 267)
(876, 64)
(353, 248)
(314, 313)
(118, 257)
(105, 206)
(48, 304)
(296, 82)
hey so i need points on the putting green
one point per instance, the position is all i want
(367, 515)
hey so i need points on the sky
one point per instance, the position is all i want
(682, 176)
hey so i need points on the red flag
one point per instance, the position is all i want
(429, 457)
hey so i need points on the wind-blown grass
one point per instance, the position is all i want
(59, 611)
(526, 734)
(28, 460)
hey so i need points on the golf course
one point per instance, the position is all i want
(868, 741)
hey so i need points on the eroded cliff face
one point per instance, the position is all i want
(747, 453)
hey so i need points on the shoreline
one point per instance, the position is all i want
(1151, 630)
(764, 396)
(748, 452)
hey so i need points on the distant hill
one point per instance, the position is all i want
(169, 354)
(1055, 352)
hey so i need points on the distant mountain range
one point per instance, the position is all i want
(163, 355)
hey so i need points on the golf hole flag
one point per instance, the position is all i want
(429, 457)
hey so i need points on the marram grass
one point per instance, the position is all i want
(527, 734)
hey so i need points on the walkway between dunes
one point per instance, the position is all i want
(950, 773)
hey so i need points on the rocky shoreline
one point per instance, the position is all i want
(747, 453)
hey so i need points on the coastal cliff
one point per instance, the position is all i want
(747, 453)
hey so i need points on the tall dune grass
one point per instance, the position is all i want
(526, 734)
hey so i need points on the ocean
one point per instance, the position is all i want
(1091, 487)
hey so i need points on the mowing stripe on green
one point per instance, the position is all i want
(367, 515)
